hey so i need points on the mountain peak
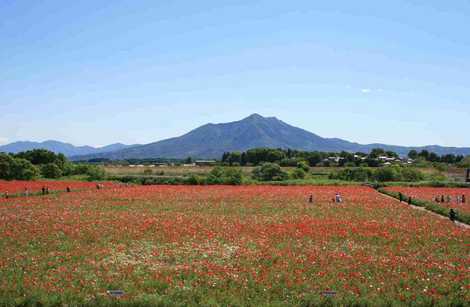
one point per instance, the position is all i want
(256, 116)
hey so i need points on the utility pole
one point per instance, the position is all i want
(468, 175)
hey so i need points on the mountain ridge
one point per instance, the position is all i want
(211, 140)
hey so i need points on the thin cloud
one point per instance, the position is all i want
(366, 90)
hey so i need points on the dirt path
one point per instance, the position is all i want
(458, 224)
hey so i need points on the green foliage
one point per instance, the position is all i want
(6, 164)
(68, 169)
(409, 174)
(51, 170)
(288, 157)
(303, 166)
(24, 170)
(95, 173)
(383, 174)
(289, 162)
(194, 180)
(297, 173)
(360, 174)
(269, 172)
(16, 168)
(413, 154)
(42, 156)
(225, 175)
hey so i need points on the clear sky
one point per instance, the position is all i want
(99, 72)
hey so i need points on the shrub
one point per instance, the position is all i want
(148, 171)
(269, 172)
(194, 180)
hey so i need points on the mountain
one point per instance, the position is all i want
(212, 140)
(60, 147)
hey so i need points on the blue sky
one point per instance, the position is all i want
(99, 72)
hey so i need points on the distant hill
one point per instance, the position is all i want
(60, 147)
(212, 140)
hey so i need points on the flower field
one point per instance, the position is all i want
(229, 245)
(18, 186)
(429, 194)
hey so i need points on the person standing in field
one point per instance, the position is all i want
(6, 194)
(463, 199)
(310, 199)
(338, 198)
(400, 196)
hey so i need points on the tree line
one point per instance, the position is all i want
(289, 157)
(433, 157)
(32, 164)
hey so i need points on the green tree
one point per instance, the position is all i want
(225, 175)
(269, 172)
(303, 166)
(234, 157)
(385, 174)
(51, 170)
(243, 159)
(22, 169)
(6, 166)
(376, 152)
(16, 168)
(413, 154)
(38, 156)
(411, 174)
(314, 158)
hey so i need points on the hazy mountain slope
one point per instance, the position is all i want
(60, 147)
